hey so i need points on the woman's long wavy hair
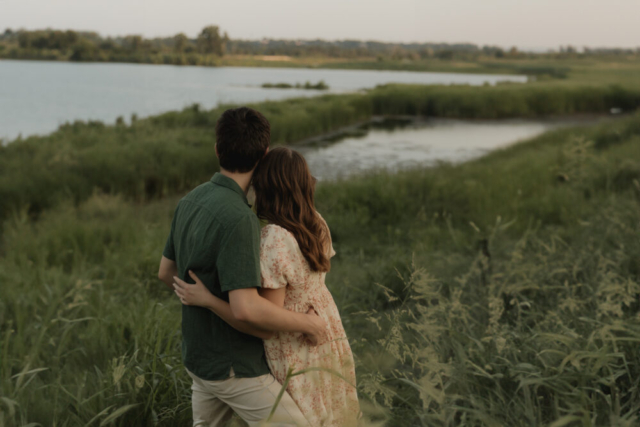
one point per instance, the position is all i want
(284, 196)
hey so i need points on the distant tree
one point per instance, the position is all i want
(225, 42)
(397, 53)
(84, 50)
(180, 42)
(8, 32)
(495, 51)
(426, 52)
(133, 43)
(108, 44)
(71, 38)
(445, 54)
(210, 41)
(25, 39)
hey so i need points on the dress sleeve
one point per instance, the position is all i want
(279, 258)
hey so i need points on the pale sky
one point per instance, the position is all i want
(536, 24)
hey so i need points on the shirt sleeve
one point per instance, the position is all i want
(238, 262)
(280, 262)
(169, 248)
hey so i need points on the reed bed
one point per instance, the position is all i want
(166, 154)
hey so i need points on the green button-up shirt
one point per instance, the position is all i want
(215, 234)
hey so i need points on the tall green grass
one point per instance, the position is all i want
(503, 291)
(510, 283)
(501, 101)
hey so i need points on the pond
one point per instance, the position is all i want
(404, 143)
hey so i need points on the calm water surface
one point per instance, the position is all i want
(421, 143)
(37, 96)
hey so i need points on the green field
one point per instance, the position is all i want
(504, 291)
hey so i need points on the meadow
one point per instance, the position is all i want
(502, 291)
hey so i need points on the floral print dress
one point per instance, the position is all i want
(324, 399)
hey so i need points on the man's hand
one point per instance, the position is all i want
(318, 328)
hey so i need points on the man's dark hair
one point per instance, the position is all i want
(242, 138)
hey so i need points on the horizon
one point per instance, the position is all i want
(533, 49)
(494, 22)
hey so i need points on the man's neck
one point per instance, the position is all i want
(242, 179)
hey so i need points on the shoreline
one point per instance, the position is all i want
(319, 63)
(347, 131)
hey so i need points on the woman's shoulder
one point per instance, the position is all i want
(273, 229)
(273, 232)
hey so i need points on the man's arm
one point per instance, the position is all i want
(198, 295)
(238, 266)
(251, 313)
(223, 310)
(167, 270)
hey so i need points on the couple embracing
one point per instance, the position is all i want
(254, 302)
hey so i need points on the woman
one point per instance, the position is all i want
(295, 252)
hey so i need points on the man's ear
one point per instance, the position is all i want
(216, 147)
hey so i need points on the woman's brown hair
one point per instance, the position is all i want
(284, 196)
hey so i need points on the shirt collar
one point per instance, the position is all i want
(229, 183)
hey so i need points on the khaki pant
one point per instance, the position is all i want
(214, 402)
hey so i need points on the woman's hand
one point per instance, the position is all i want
(196, 294)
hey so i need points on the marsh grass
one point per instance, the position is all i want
(169, 153)
(489, 293)
(321, 85)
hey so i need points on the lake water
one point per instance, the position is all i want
(37, 96)
(397, 145)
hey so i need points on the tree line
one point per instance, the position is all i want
(90, 46)
(212, 43)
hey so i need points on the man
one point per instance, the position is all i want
(215, 234)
